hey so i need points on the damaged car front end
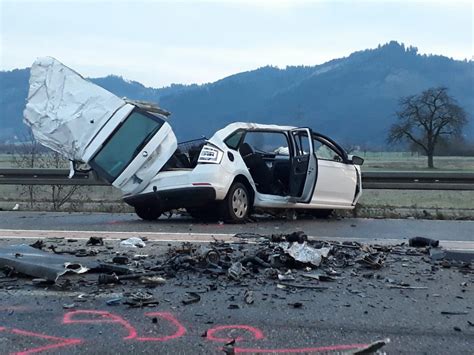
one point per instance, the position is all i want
(131, 145)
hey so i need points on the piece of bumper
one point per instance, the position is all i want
(174, 198)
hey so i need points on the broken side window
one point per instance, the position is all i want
(325, 152)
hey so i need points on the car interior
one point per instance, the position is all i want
(266, 155)
(186, 155)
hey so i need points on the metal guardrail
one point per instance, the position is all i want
(413, 180)
(48, 177)
(397, 180)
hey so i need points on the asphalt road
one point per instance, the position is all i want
(343, 228)
(354, 310)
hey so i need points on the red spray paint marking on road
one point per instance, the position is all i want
(60, 342)
(299, 350)
(106, 317)
(257, 333)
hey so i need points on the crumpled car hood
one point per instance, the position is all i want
(64, 110)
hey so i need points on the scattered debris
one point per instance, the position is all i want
(408, 287)
(114, 279)
(229, 348)
(298, 237)
(286, 277)
(95, 241)
(208, 255)
(140, 299)
(235, 271)
(152, 280)
(30, 261)
(121, 260)
(373, 261)
(289, 263)
(248, 297)
(454, 313)
(312, 287)
(192, 297)
(371, 348)
(420, 242)
(133, 242)
(304, 253)
(320, 277)
(39, 244)
(114, 301)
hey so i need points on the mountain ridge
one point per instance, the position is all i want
(353, 98)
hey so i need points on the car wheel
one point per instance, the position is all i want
(147, 213)
(321, 213)
(237, 203)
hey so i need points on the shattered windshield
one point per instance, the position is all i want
(125, 144)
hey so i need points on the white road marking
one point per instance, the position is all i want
(167, 237)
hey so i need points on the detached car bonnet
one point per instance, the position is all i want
(64, 110)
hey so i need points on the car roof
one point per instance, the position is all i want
(248, 126)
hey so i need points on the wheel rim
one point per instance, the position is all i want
(239, 202)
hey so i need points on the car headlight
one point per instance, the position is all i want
(210, 154)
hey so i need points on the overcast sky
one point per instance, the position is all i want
(163, 42)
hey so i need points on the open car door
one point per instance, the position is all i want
(125, 142)
(304, 166)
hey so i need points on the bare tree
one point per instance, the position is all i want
(423, 119)
(26, 155)
(31, 154)
(60, 194)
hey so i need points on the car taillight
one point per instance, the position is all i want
(210, 154)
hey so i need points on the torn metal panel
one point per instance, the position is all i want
(64, 110)
(30, 261)
(303, 253)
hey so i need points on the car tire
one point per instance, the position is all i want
(321, 213)
(237, 204)
(148, 213)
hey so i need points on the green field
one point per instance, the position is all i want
(413, 162)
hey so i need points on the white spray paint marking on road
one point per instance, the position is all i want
(167, 237)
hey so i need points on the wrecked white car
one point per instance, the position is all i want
(241, 167)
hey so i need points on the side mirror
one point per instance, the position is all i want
(357, 160)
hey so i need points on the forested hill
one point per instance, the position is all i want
(353, 99)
